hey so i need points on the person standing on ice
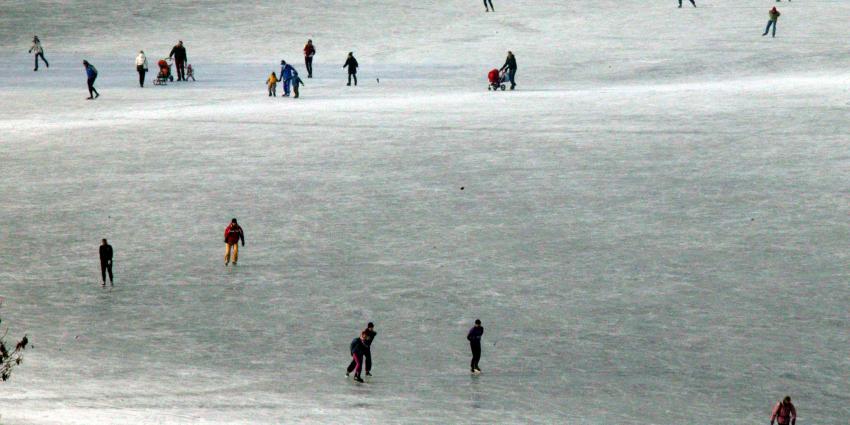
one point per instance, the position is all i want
(286, 76)
(296, 81)
(39, 52)
(510, 65)
(272, 83)
(352, 66)
(178, 52)
(784, 412)
(232, 235)
(491, 9)
(474, 337)
(105, 261)
(692, 2)
(91, 75)
(358, 348)
(141, 67)
(774, 17)
(309, 52)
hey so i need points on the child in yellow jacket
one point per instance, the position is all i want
(272, 82)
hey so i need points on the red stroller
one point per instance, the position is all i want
(497, 79)
(164, 74)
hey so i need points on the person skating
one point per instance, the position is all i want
(39, 52)
(232, 235)
(352, 66)
(105, 261)
(491, 6)
(296, 81)
(367, 354)
(286, 76)
(358, 348)
(91, 75)
(692, 2)
(272, 83)
(309, 52)
(510, 65)
(774, 17)
(784, 412)
(474, 337)
(178, 52)
(141, 67)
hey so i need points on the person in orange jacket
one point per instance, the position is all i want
(232, 235)
(272, 82)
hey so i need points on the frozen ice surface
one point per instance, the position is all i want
(653, 229)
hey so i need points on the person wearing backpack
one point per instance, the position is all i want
(784, 412)
(91, 75)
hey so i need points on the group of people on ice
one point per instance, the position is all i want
(288, 78)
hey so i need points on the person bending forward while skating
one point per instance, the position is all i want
(358, 350)
(232, 235)
(474, 337)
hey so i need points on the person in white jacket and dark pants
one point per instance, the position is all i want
(141, 67)
(39, 51)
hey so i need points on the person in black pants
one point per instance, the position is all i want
(474, 337)
(91, 75)
(367, 354)
(491, 9)
(352, 66)
(358, 349)
(510, 65)
(309, 52)
(179, 54)
(106, 261)
(692, 2)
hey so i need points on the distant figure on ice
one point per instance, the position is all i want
(91, 75)
(232, 235)
(474, 337)
(309, 52)
(510, 65)
(692, 2)
(358, 349)
(296, 81)
(352, 66)
(105, 261)
(190, 72)
(774, 16)
(367, 354)
(784, 412)
(491, 6)
(272, 83)
(286, 76)
(141, 67)
(178, 52)
(39, 52)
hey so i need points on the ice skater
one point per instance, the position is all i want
(774, 17)
(352, 66)
(106, 261)
(141, 67)
(39, 52)
(272, 83)
(784, 412)
(232, 235)
(367, 354)
(491, 6)
(91, 75)
(180, 59)
(474, 337)
(309, 52)
(296, 81)
(510, 65)
(692, 2)
(286, 76)
(358, 348)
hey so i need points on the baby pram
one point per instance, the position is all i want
(497, 79)
(164, 74)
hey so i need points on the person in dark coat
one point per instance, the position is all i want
(510, 65)
(352, 66)
(692, 2)
(367, 355)
(474, 337)
(232, 235)
(178, 52)
(91, 75)
(358, 349)
(491, 9)
(106, 261)
(309, 52)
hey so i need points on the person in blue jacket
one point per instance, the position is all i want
(286, 76)
(474, 337)
(358, 349)
(91, 74)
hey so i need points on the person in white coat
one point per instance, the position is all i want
(142, 67)
(39, 51)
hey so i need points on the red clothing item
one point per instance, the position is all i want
(309, 50)
(784, 414)
(233, 233)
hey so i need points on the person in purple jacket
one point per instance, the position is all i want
(474, 337)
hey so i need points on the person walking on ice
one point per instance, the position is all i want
(491, 9)
(352, 66)
(39, 52)
(91, 75)
(296, 81)
(510, 65)
(474, 337)
(358, 348)
(774, 17)
(105, 261)
(272, 83)
(141, 67)
(309, 52)
(286, 76)
(784, 412)
(232, 235)
(692, 2)
(180, 59)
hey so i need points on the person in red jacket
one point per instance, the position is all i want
(784, 412)
(232, 235)
(309, 52)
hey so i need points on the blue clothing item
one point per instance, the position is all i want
(286, 86)
(769, 23)
(475, 334)
(91, 71)
(286, 72)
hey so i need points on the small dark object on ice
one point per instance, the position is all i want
(461, 188)
(378, 80)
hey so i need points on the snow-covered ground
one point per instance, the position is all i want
(653, 228)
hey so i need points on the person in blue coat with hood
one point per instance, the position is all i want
(286, 75)
(91, 75)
